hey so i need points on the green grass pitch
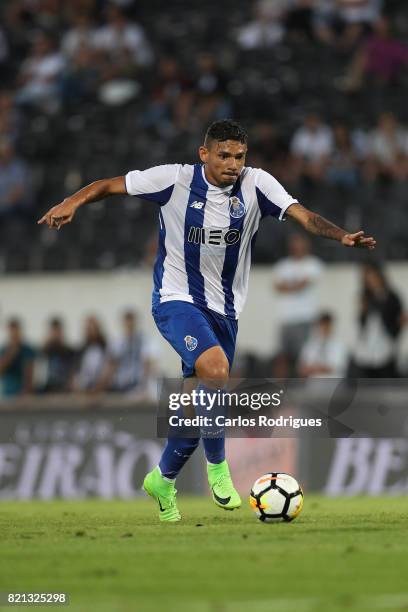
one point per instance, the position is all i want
(340, 554)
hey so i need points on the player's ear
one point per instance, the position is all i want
(203, 153)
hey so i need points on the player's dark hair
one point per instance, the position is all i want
(226, 129)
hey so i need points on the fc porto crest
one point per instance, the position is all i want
(236, 208)
(191, 342)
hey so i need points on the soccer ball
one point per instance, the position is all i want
(276, 497)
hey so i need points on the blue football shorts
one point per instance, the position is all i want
(192, 330)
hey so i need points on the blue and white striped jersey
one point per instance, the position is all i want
(206, 232)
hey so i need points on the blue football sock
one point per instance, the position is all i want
(213, 436)
(176, 453)
(214, 449)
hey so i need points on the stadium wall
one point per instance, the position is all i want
(35, 298)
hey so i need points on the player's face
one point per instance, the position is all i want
(223, 161)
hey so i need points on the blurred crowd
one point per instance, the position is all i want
(309, 343)
(127, 365)
(92, 88)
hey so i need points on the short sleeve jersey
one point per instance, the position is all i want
(206, 232)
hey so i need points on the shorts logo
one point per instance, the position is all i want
(191, 342)
(236, 208)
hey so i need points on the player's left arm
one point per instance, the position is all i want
(319, 226)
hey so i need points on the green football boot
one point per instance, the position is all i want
(164, 492)
(223, 491)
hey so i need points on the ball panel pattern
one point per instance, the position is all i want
(276, 496)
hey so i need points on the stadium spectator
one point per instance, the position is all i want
(171, 101)
(131, 360)
(296, 279)
(343, 22)
(81, 35)
(123, 42)
(40, 75)
(381, 59)
(46, 14)
(211, 102)
(387, 155)
(267, 28)
(269, 149)
(380, 324)
(92, 357)
(170, 104)
(323, 355)
(82, 77)
(15, 183)
(342, 164)
(311, 147)
(18, 28)
(10, 119)
(56, 360)
(300, 21)
(359, 11)
(16, 362)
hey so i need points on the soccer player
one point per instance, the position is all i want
(209, 216)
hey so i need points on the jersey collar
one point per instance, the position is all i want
(214, 188)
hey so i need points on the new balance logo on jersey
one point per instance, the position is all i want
(198, 205)
(217, 237)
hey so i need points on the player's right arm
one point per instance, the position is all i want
(63, 213)
(155, 184)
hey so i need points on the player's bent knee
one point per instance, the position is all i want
(212, 368)
(215, 376)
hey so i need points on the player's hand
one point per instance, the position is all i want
(359, 240)
(59, 215)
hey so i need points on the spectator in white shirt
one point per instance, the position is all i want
(82, 34)
(388, 150)
(343, 22)
(92, 357)
(267, 29)
(131, 362)
(311, 147)
(40, 75)
(380, 326)
(123, 41)
(359, 11)
(296, 283)
(323, 355)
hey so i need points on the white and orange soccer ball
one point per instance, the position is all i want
(276, 497)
